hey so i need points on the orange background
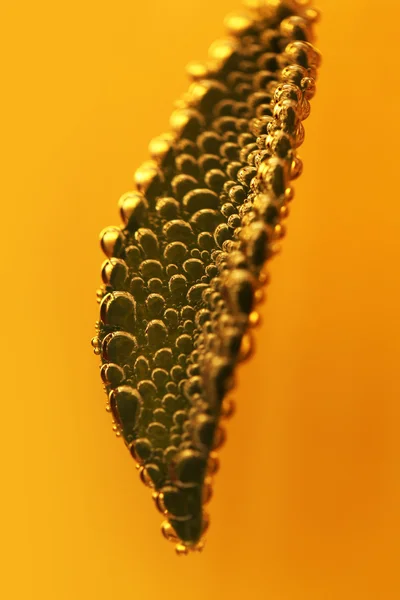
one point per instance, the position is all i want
(307, 501)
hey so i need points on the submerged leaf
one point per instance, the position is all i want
(184, 272)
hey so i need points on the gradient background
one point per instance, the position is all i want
(306, 505)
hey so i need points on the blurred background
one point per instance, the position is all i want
(306, 504)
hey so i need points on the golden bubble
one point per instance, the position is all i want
(284, 211)
(160, 146)
(228, 408)
(238, 23)
(279, 231)
(159, 502)
(222, 50)
(181, 550)
(312, 14)
(182, 103)
(199, 547)
(275, 249)
(213, 464)
(266, 170)
(145, 175)
(106, 270)
(305, 109)
(264, 276)
(95, 342)
(206, 522)
(302, 3)
(219, 438)
(109, 237)
(313, 55)
(289, 194)
(207, 490)
(289, 25)
(308, 86)
(100, 293)
(254, 319)
(169, 532)
(181, 117)
(259, 296)
(299, 135)
(199, 90)
(296, 167)
(246, 347)
(197, 69)
(131, 202)
(264, 8)
(144, 476)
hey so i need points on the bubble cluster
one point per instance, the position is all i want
(184, 271)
